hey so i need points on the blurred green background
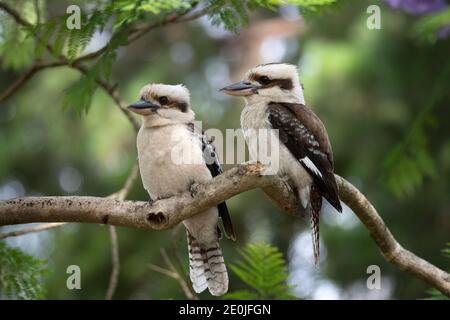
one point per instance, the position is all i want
(382, 94)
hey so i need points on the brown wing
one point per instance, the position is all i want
(305, 136)
(213, 164)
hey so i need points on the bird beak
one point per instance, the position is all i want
(241, 89)
(143, 107)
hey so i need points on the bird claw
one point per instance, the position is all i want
(193, 189)
(152, 202)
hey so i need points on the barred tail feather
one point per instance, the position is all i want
(315, 236)
(316, 204)
(207, 267)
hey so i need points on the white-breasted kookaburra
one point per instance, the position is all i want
(274, 100)
(174, 155)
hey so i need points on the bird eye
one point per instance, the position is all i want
(264, 80)
(163, 100)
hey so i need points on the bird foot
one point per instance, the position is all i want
(193, 189)
(152, 201)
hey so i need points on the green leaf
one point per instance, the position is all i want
(408, 163)
(426, 28)
(264, 270)
(20, 274)
(45, 31)
(233, 14)
(16, 49)
(73, 43)
(60, 40)
(79, 95)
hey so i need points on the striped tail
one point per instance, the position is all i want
(316, 204)
(207, 267)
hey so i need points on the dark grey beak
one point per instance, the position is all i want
(241, 89)
(142, 104)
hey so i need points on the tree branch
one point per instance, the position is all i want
(16, 85)
(166, 213)
(109, 89)
(119, 195)
(391, 250)
(136, 33)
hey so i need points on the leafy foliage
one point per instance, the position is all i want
(119, 15)
(429, 26)
(20, 274)
(72, 41)
(263, 269)
(233, 14)
(16, 50)
(79, 95)
(123, 13)
(409, 163)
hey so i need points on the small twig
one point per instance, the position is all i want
(165, 272)
(139, 30)
(38, 228)
(23, 79)
(120, 195)
(172, 272)
(14, 14)
(114, 277)
(166, 259)
(112, 92)
(37, 11)
(129, 182)
(176, 234)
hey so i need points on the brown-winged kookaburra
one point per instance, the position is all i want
(174, 155)
(274, 100)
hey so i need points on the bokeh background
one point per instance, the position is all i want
(382, 94)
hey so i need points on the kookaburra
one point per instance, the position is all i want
(274, 100)
(174, 155)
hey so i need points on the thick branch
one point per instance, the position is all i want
(391, 250)
(161, 214)
(166, 213)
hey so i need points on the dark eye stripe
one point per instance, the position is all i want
(182, 106)
(285, 84)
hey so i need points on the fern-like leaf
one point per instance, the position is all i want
(20, 274)
(264, 270)
(79, 95)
